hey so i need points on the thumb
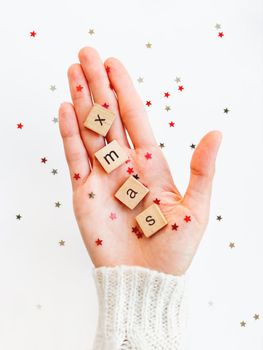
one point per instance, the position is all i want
(202, 166)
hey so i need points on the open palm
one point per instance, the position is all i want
(108, 228)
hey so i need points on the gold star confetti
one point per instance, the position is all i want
(232, 245)
(178, 80)
(256, 317)
(243, 324)
(91, 195)
(91, 31)
(53, 88)
(61, 242)
(161, 145)
(55, 120)
(167, 108)
(140, 80)
(148, 45)
(57, 204)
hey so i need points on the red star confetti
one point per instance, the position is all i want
(220, 34)
(175, 227)
(43, 160)
(157, 201)
(105, 105)
(107, 69)
(79, 88)
(148, 103)
(33, 33)
(76, 176)
(127, 161)
(98, 242)
(130, 171)
(180, 88)
(166, 94)
(171, 124)
(20, 126)
(187, 218)
(148, 155)
(113, 216)
(135, 229)
(139, 235)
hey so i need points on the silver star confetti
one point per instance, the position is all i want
(54, 171)
(140, 80)
(53, 88)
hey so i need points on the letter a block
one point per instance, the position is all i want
(111, 156)
(151, 220)
(99, 119)
(131, 192)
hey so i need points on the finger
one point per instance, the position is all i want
(75, 151)
(102, 94)
(83, 103)
(198, 193)
(131, 107)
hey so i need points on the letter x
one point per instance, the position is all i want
(99, 119)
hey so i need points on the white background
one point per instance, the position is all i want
(225, 285)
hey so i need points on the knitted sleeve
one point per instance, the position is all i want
(139, 309)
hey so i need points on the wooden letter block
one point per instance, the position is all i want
(99, 119)
(131, 192)
(111, 156)
(151, 220)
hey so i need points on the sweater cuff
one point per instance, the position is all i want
(140, 307)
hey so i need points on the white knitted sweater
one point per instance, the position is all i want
(139, 309)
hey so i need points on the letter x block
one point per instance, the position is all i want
(151, 220)
(111, 156)
(131, 192)
(99, 119)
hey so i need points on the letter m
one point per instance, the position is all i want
(109, 155)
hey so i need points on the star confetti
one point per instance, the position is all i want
(76, 176)
(91, 31)
(161, 145)
(148, 103)
(20, 126)
(180, 88)
(61, 242)
(139, 235)
(148, 45)
(192, 145)
(171, 124)
(130, 171)
(256, 317)
(187, 218)
(226, 110)
(178, 80)
(55, 120)
(174, 227)
(98, 242)
(243, 324)
(79, 88)
(219, 218)
(231, 245)
(166, 94)
(157, 201)
(135, 229)
(54, 171)
(53, 88)
(33, 33)
(18, 217)
(220, 34)
(44, 160)
(167, 108)
(217, 26)
(91, 195)
(148, 155)
(57, 204)
(113, 216)
(105, 105)
(140, 80)
(136, 176)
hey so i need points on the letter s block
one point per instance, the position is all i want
(111, 156)
(151, 220)
(131, 192)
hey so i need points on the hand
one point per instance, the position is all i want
(168, 250)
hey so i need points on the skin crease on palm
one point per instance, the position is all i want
(169, 251)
